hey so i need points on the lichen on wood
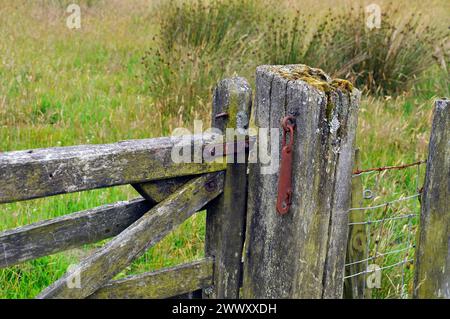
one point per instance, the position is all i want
(45, 172)
(313, 76)
(164, 283)
(432, 275)
(225, 220)
(319, 80)
(99, 268)
(301, 254)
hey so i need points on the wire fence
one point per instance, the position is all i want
(383, 221)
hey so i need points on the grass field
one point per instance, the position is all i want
(119, 78)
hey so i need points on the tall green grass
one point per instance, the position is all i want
(199, 43)
(202, 41)
(386, 60)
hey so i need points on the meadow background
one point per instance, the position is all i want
(140, 68)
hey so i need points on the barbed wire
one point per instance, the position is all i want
(386, 168)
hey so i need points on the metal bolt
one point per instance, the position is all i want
(367, 194)
(210, 186)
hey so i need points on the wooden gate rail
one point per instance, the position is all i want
(70, 231)
(62, 233)
(90, 226)
(98, 269)
(163, 283)
(45, 172)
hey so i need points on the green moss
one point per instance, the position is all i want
(232, 109)
(432, 246)
(343, 85)
(316, 78)
(330, 106)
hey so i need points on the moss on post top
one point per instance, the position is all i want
(312, 76)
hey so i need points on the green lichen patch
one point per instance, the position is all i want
(314, 77)
(343, 85)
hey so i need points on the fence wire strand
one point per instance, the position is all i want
(380, 255)
(388, 214)
(378, 269)
(386, 203)
(384, 219)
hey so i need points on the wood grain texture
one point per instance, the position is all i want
(96, 270)
(226, 215)
(432, 278)
(293, 255)
(51, 236)
(357, 242)
(45, 172)
(165, 283)
(341, 154)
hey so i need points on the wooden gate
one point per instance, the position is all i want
(250, 249)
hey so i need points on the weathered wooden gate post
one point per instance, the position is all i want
(432, 278)
(301, 254)
(355, 287)
(225, 220)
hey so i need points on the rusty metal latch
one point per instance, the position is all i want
(284, 198)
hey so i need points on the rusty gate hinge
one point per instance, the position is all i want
(285, 179)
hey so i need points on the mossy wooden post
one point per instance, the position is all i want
(432, 278)
(225, 221)
(301, 254)
(357, 242)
